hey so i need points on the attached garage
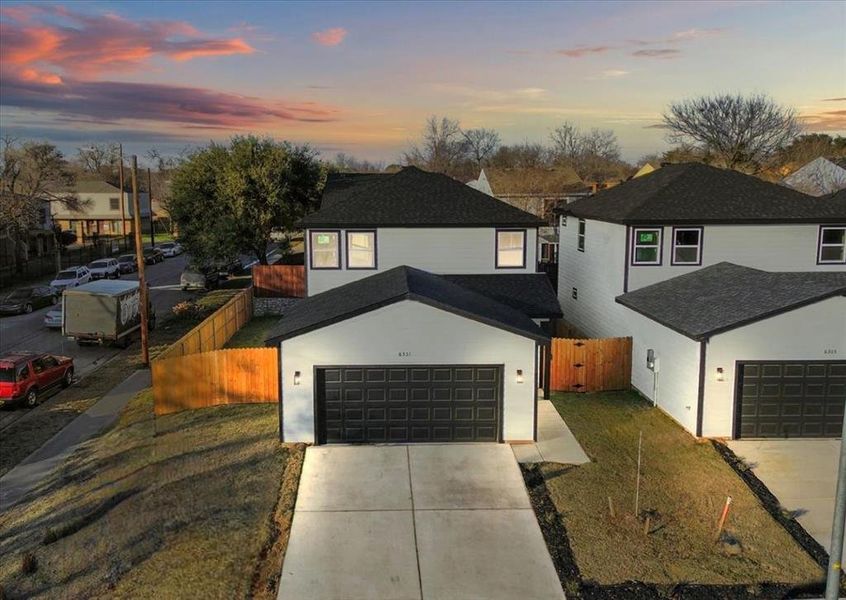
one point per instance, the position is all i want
(744, 353)
(406, 356)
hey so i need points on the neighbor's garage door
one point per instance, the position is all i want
(445, 403)
(791, 399)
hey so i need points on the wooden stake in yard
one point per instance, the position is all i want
(646, 525)
(723, 517)
(637, 481)
(611, 507)
(139, 256)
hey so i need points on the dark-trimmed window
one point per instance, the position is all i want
(114, 203)
(646, 246)
(687, 246)
(325, 249)
(580, 244)
(832, 245)
(510, 248)
(361, 249)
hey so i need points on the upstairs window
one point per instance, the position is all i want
(581, 236)
(325, 250)
(832, 246)
(687, 246)
(114, 203)
(646, 246)
(361, 249)
(511, 249)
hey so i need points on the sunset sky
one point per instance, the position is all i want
(362, 77)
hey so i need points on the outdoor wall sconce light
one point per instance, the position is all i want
(519, 375)
(296, 378)
(720, 376)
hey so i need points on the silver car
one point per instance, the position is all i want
(54, 319)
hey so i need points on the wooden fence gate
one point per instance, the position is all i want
(279, 281)
(591, 365)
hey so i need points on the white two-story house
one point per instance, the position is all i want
(423, 316)
(731, 288)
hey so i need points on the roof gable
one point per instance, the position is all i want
(416, 198)
(726, 296)
(395, 285)
(694, 193)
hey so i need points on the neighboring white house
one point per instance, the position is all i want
(101, 214)
(819, 177)
(422, 321)
(672, 223)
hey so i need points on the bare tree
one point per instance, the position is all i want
(346, 163)
(481, 144)
(740, 132)
(98, 158)
(441, 148)
(594, 154)
(528, 155)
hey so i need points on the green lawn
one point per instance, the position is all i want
(684, 485)
(183, 506)
(253, 334)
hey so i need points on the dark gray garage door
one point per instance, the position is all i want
(791, 399)
(445, 403)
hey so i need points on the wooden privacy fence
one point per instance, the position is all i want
(591, 365)
(215, 330)
(279, 281)
(231, 376)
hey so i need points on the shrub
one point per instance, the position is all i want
(29, 564)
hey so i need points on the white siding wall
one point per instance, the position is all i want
(430, 336)
(765, 247)
(97, 205)
(443, 250)
(676, 385)
(815, 332)
(598, 275)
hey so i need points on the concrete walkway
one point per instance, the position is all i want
(802, 474)
(556, 443)
(26, 476)
(420, 522)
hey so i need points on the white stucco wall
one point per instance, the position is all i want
(445, 250)
(429, 336)
(765, 247)
(675, 388)
(814, 332)
(597, 273)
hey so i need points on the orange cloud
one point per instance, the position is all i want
(39, 77)
(329, 37)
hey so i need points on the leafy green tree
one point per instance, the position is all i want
(228, 199)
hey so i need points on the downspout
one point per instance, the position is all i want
(700, 399)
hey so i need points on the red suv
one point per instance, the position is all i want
(26, 376)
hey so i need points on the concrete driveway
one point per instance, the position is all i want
(803, 476)
(415, 522)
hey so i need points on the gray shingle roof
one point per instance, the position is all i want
(530, 293)
(694, 193)
(416, 198)
(395, 285)
(341, 185)
(726, 296)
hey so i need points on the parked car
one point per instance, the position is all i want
(153, 256)
(170, 249)
(127, 263)
(26, 376)
(25, 300)
(54, 319)
(106, 268)
(199, 278)
(105, 312)
(71, 277)
(229, 267)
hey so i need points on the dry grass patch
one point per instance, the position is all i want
(684, 485)
(253, 334)
(179, 506)
(27, 434)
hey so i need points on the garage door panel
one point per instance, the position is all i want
(791, 399)
(441, 403)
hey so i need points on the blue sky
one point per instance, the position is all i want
(362, 77)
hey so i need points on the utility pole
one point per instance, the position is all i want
(150, 202)
(139, 256)
(832, 582)
(122, 198)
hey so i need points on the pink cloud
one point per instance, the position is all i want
(657, 53)
(329, 37)
(582, 51)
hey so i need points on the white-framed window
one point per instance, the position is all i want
(510, 248)
(646, 246)
(832, 246)
(580, 244)
(687, 246)
(325, 249)
(361, 249)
